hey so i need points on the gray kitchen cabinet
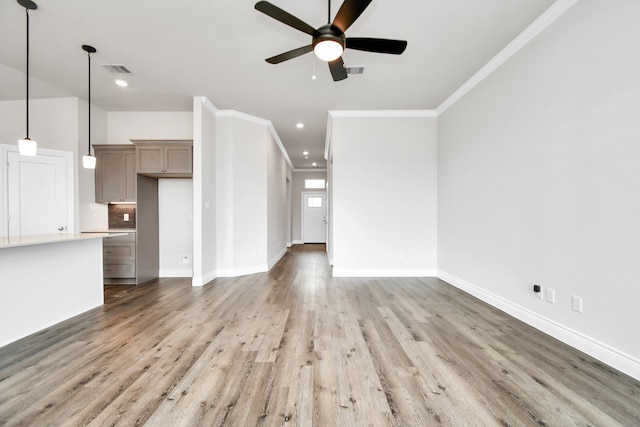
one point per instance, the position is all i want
(115, 173)
(119, 259)
(164, 158)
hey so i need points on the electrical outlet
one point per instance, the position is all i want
(550, 295)
(576, 303)
(184, 259)
(126, 217)
(539, 292)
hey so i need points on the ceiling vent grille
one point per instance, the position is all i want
(116, 69)
(355, 71)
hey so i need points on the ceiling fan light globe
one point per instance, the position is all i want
(27, 147)
(328, 50)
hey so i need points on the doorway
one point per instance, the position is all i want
(314, 216)
(38, 192)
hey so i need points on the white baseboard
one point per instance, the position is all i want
(175, 272)
(204, 279)
(368, 272)
(242, 271)
(297, 242)
(601, 351)
(277, 258)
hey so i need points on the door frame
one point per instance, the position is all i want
(302, 215)
(5, 149)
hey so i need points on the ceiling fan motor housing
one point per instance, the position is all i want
(328, 33)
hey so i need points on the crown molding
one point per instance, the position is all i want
(383, 113)
(549, 16)
(310, 170)
(263, 122)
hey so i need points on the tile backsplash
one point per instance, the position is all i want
(117, 216)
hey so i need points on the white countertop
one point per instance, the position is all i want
(14, 241)
(110, 230)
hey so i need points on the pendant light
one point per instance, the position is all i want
(89, 161)
(27, 146)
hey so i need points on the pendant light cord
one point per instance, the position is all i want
(27, 11)
(89, 106)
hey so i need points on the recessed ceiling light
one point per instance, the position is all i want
(300, 125)
(306, 153)
(314, 164)
(121, 83)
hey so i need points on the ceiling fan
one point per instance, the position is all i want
(329, 41)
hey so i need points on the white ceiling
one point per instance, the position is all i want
(214, 48)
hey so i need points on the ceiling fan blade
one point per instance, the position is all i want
(395, 47)
(349, 12)
(338, 72)
(289, 55)
(285, 17)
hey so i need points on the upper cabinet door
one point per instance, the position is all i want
(178, 158)
(150, 159)
(164, 158)
(115, 173)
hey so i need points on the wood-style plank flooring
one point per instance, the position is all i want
(297, 347)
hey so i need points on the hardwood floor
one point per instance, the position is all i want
(297, 347)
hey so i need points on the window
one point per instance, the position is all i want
(314, 183)
(314, 202)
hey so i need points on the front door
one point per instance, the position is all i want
(314, 217)
(40, 193)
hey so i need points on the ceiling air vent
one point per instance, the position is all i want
(116, 69)
(355, 71)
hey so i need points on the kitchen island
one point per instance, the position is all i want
(47, 279)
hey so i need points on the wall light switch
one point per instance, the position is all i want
(576, 303)
(126, 217)
(551, 295)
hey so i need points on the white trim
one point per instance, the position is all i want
(208, 104)
(383, 113)
(297, 242)
(204, 279)
(259, 121)
(276, 138)
(327, 140)
(242, 271)
(277, 258)
(601, 351)
(310, 170)
(555, 11)
(175, 272)
(395, 272)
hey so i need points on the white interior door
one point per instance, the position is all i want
(314, 217)
(39, 193)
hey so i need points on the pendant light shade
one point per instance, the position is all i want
(89, 161)
(26, 145)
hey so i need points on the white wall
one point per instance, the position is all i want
(252, 202)
(384, 193)
(539, 183)
(175, 223)
(278, 219)
(296, 202)
(60, 124)
(205, 235)
(242, 187)
(127, 125)
(92, 215)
